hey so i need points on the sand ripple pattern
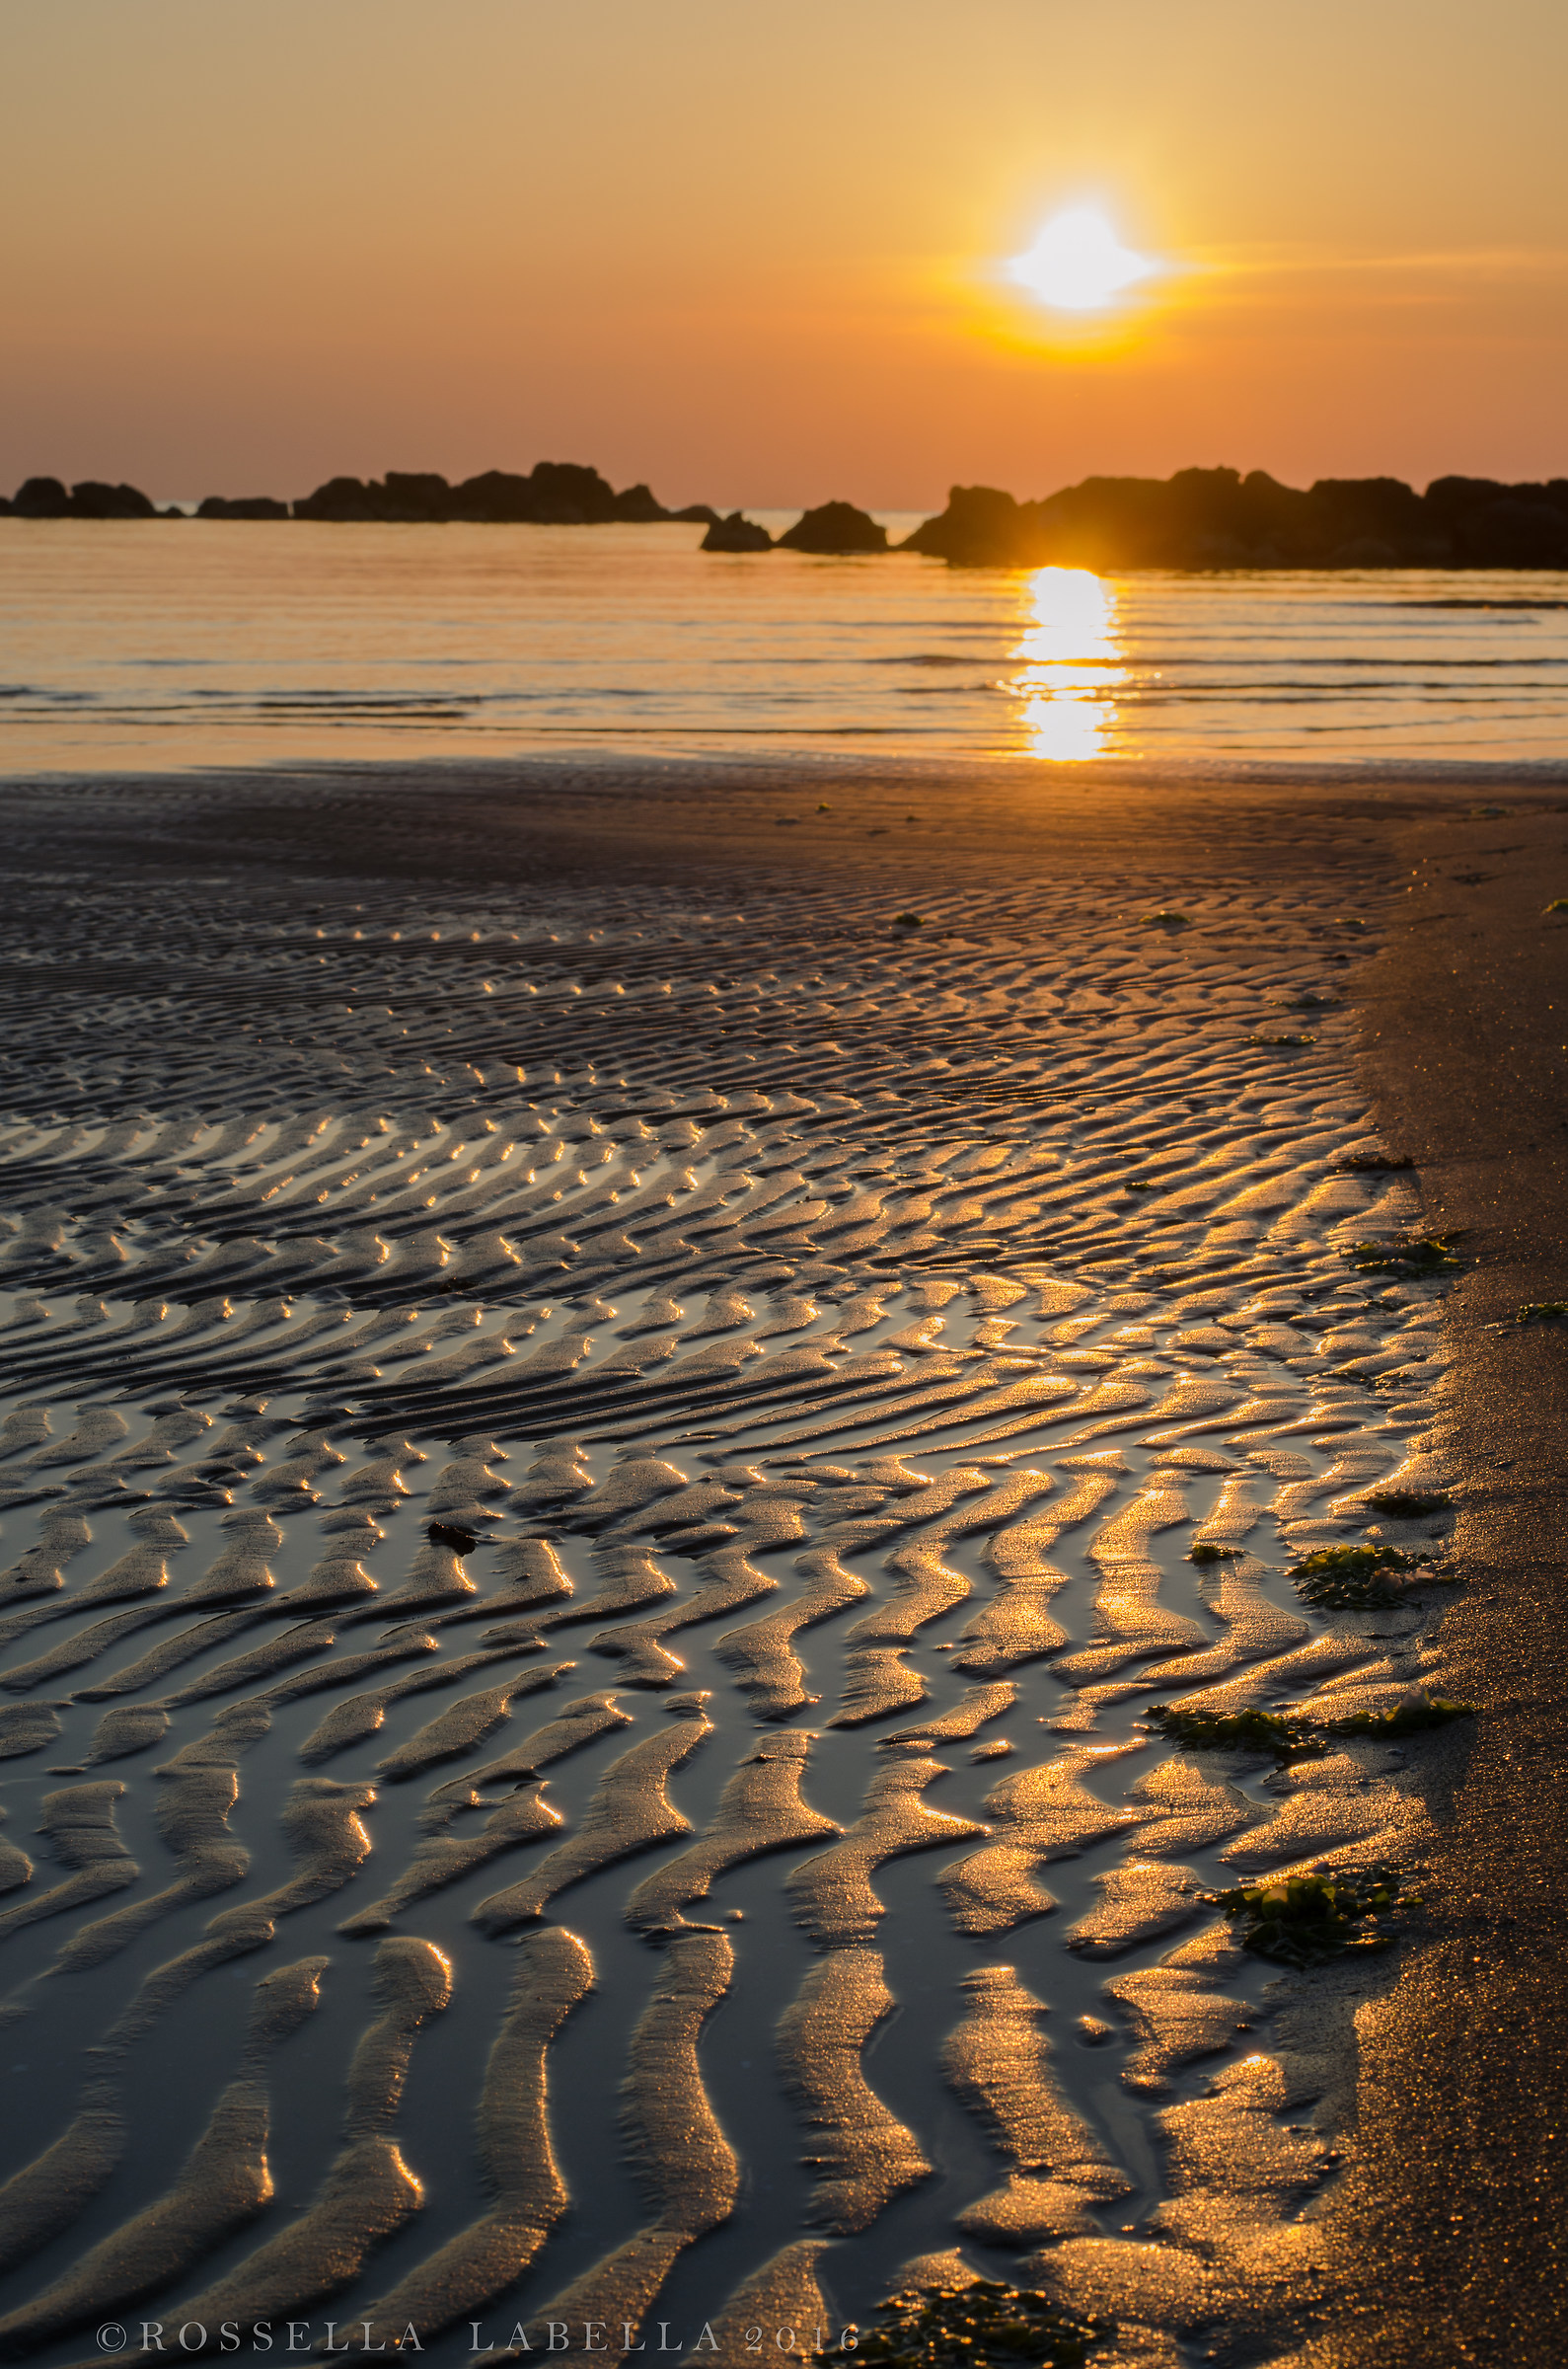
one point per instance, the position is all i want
(613, 1475)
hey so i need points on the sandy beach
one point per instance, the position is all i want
(624, 1386)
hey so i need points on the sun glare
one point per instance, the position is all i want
(1069, 656)
(1078, 265)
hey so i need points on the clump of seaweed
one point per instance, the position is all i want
(1410, 1720)
(448, 1534)
(1416, 1255)
(1205, 1551)
(943, 2328)
(1297, 1040)
(909, 921)
(1559, 904)
(1353, 1578)
(1309, 1919)
(1166, 919)
(1540, 1312)
(1405, 1504)
(1284, 1736)
(1264, 1731)
(1357, 1164)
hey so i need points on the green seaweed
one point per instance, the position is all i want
(1559, 904)
(1361, 1164)
(1405, 1504)
(1540, 1312)
(1294, 1040)
(1166, 919)
(1416, 1255)
(1351, 1578)
(974, 2325)
(1286, 1737)
(1205, 1552)
(1305, 1920)
(1264, 1731)
(909, 921)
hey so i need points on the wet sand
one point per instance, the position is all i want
(834, 1238)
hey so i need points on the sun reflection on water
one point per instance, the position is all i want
(1070, 663)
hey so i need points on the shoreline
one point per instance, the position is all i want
(1383, 2223)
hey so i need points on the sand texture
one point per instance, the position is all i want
(605, 1454)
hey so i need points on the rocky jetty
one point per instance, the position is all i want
(835, 528)
(736, 533)
(1205, 519)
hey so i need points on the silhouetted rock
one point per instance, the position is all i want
(255, 506)
(500, 498)
(42, 497)
(342, 500)
(981, 527)
(736, 533)
(46, 497)
(1217, 518)
(696, 513)
(553, 493)
(638, 507)
(565, 494)
(93, 501)
(835, 528)
(1515, 533)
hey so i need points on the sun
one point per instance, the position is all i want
(1078, 265)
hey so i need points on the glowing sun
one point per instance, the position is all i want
(1078, 264)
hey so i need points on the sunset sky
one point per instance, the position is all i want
(755, 255)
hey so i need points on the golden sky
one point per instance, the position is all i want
(751, 252)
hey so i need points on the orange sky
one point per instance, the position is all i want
(748, 253)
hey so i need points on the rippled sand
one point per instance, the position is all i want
(604, 1466)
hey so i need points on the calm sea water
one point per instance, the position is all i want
(191, 645)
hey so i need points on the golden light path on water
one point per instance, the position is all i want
(1071, 664)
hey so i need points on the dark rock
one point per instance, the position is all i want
(696, 513)
(565, 494)
(497, 498)
(42, 497)
(1217, 518)
(7, 509)
(257, 505)
(1514, 533)
(1361, 510)
(554, 493)
(342, 500)
(411, 498)
(834, 529)
(736, 533)
(638, 507)
(981, 527)
(93, 501)
(46, 497)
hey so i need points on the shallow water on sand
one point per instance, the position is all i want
(835, 1338)
(135, 647)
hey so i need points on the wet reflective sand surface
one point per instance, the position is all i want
(598, 1483)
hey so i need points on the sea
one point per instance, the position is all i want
(138, 646)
